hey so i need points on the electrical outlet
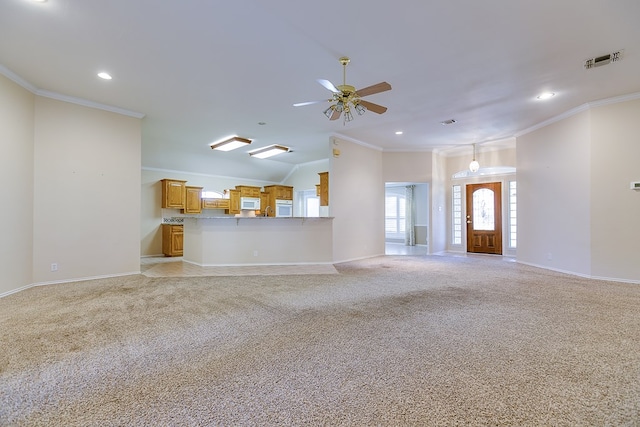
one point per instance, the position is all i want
(255, 253)
(54, 266)
(549, 256)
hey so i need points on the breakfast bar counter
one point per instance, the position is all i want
(226, 241)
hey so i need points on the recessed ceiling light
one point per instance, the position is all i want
(399, 132)
(40, 1)
(105, 76)
(546, 95)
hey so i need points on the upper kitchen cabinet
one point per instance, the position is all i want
(279, 192)
(324, 188)
(234, 201)
(193, 204)
(173, 193)
(248, 191)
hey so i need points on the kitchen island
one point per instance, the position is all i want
(226, 241)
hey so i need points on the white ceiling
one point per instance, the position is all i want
(200, 70)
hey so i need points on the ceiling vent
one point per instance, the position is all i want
(603, 60)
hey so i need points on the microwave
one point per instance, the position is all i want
(284, 208)
(250, 203)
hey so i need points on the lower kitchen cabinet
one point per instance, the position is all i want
(172, 239)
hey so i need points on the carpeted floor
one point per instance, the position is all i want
(389, 341)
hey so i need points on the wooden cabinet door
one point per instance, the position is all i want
(234, 201)
(324, 188)
(173, 193)
(177, 240)
(172, 239)
(193, 203)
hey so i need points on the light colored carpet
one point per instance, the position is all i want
(391, 341)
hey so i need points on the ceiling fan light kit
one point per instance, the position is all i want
(347, 98)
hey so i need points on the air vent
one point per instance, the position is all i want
(448, 122)
(603, 60)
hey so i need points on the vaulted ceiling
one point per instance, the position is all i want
(201, 70)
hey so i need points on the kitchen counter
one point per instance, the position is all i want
(259, 240)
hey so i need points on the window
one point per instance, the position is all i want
(309, 203)
(394, 213)
(456, 209)
(513, 223)
(483, 210)
(212, 195)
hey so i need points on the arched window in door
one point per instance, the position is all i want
(483, 210)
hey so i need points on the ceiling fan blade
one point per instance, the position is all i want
(328, 85)
(335, 115)
(373, 107)
(377, 88)
(300, 104)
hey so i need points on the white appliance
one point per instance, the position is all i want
(284, 208)
(250, 203)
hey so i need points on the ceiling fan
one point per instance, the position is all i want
(347, 98)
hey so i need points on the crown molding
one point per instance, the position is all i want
(579, 109)
(70, 99)
(90, 104)
(17, 79)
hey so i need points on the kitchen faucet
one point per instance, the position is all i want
(266, 210)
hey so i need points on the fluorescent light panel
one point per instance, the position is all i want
(231, 144)
(269, 151)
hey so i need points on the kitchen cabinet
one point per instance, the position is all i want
(273, 193)
(248, 191)
(172, 239)
(193, 205)
(324, 188)
(173, 193)
(234, 201)
(279, 192)
(215, 203)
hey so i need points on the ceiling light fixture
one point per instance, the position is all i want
(269, 151)
(474, 165)
(105, 76)
(399, 132)
(230, 144)
(346, 98)
(545, 95)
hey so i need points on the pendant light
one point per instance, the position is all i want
(474, 165)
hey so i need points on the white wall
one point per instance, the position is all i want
(17, 117)
(406, 166)
(356, 200)
(615, 209)
(86, 192)
(554, 195)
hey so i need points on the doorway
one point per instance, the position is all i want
(406, 218)
(484, 218)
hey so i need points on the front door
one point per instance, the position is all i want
(484, 218)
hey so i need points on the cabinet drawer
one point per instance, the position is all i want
(215, 203)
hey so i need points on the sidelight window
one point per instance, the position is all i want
(513, 223)
(456, 209)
